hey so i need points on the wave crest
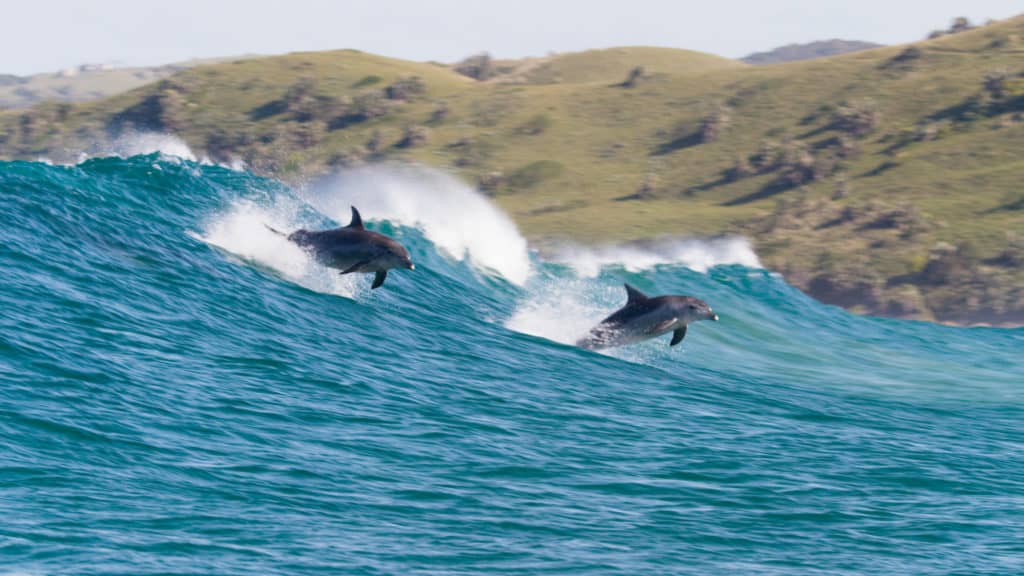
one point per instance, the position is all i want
(453, 216)
(699, 254)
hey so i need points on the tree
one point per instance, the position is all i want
(634, 76)
(995, 84)
(712, 126)
(856, 118)
(405, 89)
(414, 135)
(479, 66)
(960, 24)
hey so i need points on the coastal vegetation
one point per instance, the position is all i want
(888, 181)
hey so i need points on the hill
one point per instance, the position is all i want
(886, 181)
(87, 82)
(809, 51)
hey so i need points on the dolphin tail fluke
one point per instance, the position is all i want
(378, 280)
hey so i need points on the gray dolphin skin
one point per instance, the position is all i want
(643, 317)
(353, 248)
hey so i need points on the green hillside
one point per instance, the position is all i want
(887, 180)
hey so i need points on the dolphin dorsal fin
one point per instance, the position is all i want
(633, 295)
(357, 220)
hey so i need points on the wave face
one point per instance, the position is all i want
(181, 388)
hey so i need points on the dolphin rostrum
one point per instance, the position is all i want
(353, 248)
(643, 317)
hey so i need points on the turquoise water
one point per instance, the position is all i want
(183, 392)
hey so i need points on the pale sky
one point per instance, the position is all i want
(44, 36)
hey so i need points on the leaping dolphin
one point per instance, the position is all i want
(643, 317)
(353, 248)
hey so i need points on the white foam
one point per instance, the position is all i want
(131, 144)
(562, 311)
(699, 254)
(452, 215)
(141, 143)
(242, 230)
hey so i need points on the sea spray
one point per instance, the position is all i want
(700, 254)
(245, 230)
(455, 217)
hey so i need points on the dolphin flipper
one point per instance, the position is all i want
(678, 336)
(355, 267)
(378, 280)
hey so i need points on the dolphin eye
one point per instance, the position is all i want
(693, 307)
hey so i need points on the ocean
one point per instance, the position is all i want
(184, 392)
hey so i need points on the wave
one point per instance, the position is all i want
(242, 230)
(452, 215)
(145, 143)
(700, 254)
(141, 357)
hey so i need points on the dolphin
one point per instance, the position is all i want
(644, 317)
(353, 248)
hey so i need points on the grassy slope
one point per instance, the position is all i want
(608, 141)
(23, 92)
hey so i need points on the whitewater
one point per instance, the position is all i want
(183, 391)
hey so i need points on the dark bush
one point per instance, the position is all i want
(479, 66)
(857, 119)
(635, 75)
(440, 113)
(536, 125)
(413, 136)
(534, 173)
(406, 89)
(367, 81)
(995, 84)
(712, 126)
(960, 24)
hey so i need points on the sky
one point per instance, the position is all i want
(45, 36)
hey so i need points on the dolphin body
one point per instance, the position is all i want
(643, 317)
(353, 248)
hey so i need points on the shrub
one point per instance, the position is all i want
(471, 152)
(406, 89)
(414, 135)
(376, 142)
(440, 113)
(536, 125)
(367, 81)
(712, 126)
(534, 173)
(479, 66)
(857, 119)
(906, 59)
(634, 76)
(369, 105)
(995, 84)
(960, 24)
(740, 170)
(767, 156)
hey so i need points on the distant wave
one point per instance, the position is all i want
(142, 143)
(700, 254)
